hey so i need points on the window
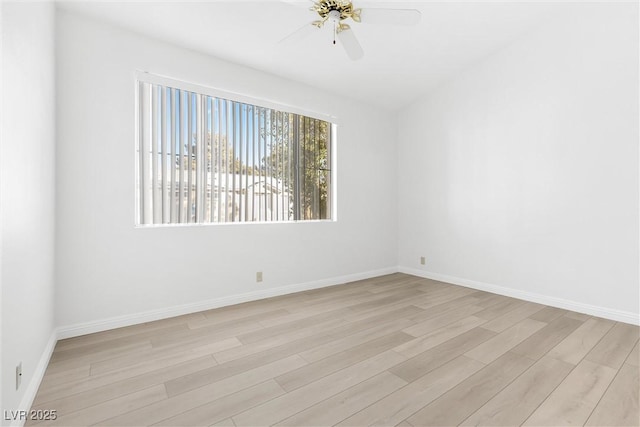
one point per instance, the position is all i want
(205, 159)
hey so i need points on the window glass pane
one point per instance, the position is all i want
(203, 159)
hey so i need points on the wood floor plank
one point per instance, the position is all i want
(578, 316)
(222, 371)
(574, 399)
(495, 347)
(427, 326)
(425, 342)
(189, 382)
(360, 303)
(295, 317)
(377, 317)
(302, 398)
(342, 344)
(427, 361)
(513, 405)
(399, 405)
(177, 363)
(266, 346)
(224, 423)
(389, 278)
(382, 315)
(619, 405)
(442, 296)
(546, 338)
(247, 309)
(225, 407)
(261, 317)
(444, 307)
(487, 299)
(107, 387)
(337, 304)
(73, 374)
(548, 314)
(408, 284)
(512, 317)
(577, 344)
(634, 356)
(370, 306)
(434, 289)
(139, 358)
(613, 349)
(357, 315)
(468, 396)
(289, 332)
(143, 328)
(319, 322)
(113, 345)
(298, 334)
(500, 309)
(321, 295)
(187, 401)
(97, 413)
(316, 370)
(60, 365)
(392, 280)
(342, 405)
(215, 332)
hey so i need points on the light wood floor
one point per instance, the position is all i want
(394, 350)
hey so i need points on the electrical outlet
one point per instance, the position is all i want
(422, 260)
(259, 276)
(18, 375)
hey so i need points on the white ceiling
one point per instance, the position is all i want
(400, 63)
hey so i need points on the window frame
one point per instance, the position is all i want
(156, 79)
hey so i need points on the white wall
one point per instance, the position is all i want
(522, 172)
(107, 268)
(27, 195)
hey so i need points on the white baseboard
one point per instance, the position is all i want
(32, 388)
(149, 316)
(607, 313)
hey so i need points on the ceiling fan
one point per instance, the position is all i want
(334, 12)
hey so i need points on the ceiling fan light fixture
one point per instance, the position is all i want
(334, 16)
(336, 11)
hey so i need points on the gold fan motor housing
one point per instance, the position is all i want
(325, 7)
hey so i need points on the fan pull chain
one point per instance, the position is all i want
(334, 32)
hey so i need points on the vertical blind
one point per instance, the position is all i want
(203, 159)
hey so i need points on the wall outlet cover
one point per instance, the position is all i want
(18, 375)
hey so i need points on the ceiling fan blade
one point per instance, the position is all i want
(351, 44)
(300, 34)
(390, 16)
